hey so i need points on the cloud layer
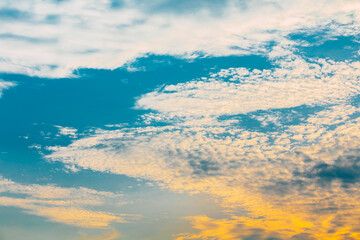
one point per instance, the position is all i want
(53, 38)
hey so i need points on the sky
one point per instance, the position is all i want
(183, 120)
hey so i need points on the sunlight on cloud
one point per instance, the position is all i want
(277, 149)
(64, 205)
(278, 175)
(236, 169)
(225, 229)
(53, 38)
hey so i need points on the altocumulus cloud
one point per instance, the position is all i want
(239, 91)
(276, 176)
(199, 151)
(53, 38)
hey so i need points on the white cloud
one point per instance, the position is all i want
(52, 38)
(67, 131)
(296, 82)
(196, 141)
(5, 85)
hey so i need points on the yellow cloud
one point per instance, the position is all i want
(79, 217)
(223, 229)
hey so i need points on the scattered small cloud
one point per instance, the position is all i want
(67, 131)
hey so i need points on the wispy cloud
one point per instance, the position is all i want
(64, 205)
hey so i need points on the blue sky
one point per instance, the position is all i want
(179, 120)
